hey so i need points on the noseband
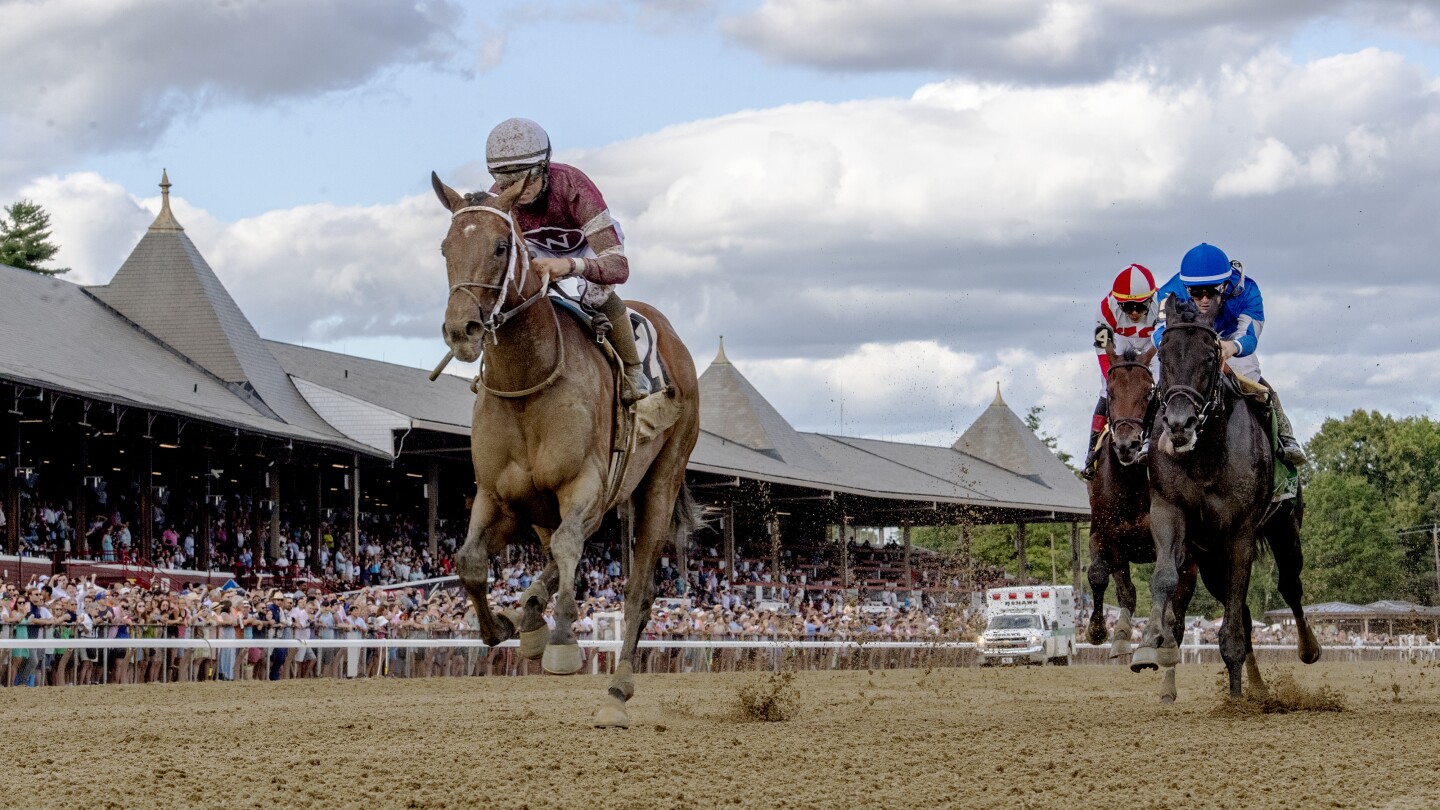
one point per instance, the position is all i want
(1127, 420)
(1204, 404)
(497, 316)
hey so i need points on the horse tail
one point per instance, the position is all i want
(687, 517)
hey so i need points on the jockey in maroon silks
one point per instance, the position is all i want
(1126, 322)
(570, 232)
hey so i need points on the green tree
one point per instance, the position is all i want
(1351, 553)
(25, 239)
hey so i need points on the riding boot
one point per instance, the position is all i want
(1290, 449)
(1151, 408)
(1092, 450)
(634, 385)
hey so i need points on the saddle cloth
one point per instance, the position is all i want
(1286, 478)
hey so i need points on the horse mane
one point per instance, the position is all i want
(1130, 355)
(479, 197)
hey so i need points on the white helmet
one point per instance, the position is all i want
(515, 144)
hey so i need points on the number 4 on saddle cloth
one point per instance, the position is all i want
(1287, 478)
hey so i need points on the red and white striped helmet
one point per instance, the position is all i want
(1133, 284)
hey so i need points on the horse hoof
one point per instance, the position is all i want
(1143, 659)
(612, 714)
(1167, 699)
(1167, 656)
(533, 643)
(1309, 650)
(1121, 651)
(562, 659)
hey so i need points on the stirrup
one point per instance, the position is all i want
(634, 385)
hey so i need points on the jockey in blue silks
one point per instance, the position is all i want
(1208, 278)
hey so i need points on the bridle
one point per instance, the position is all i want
(1127, 420)
(1205, 404)
(499, 316)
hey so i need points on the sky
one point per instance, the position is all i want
(887, 207)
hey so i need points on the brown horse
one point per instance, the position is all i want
(541, 440)
(1120, 496)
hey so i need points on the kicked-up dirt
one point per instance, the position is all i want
(1093, 736)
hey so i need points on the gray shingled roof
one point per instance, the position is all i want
(56, 336)
(732, 409)
(167, 289)
(880, 468)
(446, 402)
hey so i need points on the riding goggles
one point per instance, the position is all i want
(1207, 291)
(1135, 307)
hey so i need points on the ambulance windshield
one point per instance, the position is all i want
(1014, 621)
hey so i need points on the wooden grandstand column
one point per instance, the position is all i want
(433, 509)
(1075, 556)
(275, 542)
(207, 517)
(81, 525)
(729, 529)
(355, 510)
(317, 533)
(773, 524)
(906, 572)
(146, 518)
(11, 486)
(1022, 565)
(969, 581)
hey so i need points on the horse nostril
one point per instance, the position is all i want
(472, 328)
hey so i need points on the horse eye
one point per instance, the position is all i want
(500, 249)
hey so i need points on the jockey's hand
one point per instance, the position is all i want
(1228, 349)
(555, 268)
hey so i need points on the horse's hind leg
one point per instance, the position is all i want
(472, 565)
(1252, 667)
(1282, 532)
(1125, 595)
(1234, 631)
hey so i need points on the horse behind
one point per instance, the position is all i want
(541, 440)
(1211, 502)
(1120, 496)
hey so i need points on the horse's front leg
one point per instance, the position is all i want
(580, 505)
(1124, 594)
(1099, 576)
(1235, 630)
(1158, 647)
(490, 527)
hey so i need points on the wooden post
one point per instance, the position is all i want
(1075, 557)
(682, 561)
(81, 546)
(257, 550)
(970, 579)
(147, 510)
(207, 520)
(318, 540)
(275, 542)
(355, 509)
(846, 535)
(1022, 565)
(433, 512)
(729, 529)
(773, 524)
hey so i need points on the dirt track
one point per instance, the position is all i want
(1077, 737)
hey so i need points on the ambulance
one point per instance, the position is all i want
(1034, 624)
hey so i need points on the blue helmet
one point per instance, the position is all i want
(1204, 265)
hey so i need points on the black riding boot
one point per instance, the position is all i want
(634, 385)
(1092, 450)
(1290, 449)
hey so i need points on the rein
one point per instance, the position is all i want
(498, 316)
(1205, 404)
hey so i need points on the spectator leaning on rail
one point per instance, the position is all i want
(1126, 322)
(1209, 278)
(568, 227)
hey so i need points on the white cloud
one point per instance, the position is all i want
(110, 74)
(1062, 41)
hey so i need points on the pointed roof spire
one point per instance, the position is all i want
(997, 400)
(720, 355)
(165, 221)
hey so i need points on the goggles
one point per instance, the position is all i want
(1134, 307)
(1207, 291)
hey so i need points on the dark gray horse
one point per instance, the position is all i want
(1211, 487)
(1120, 496)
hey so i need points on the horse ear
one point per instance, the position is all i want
(510, 196)
(1167, 308)
(1148, 356)
(449, 197)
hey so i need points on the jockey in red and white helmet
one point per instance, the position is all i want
(1126, 322)
(569, 230)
